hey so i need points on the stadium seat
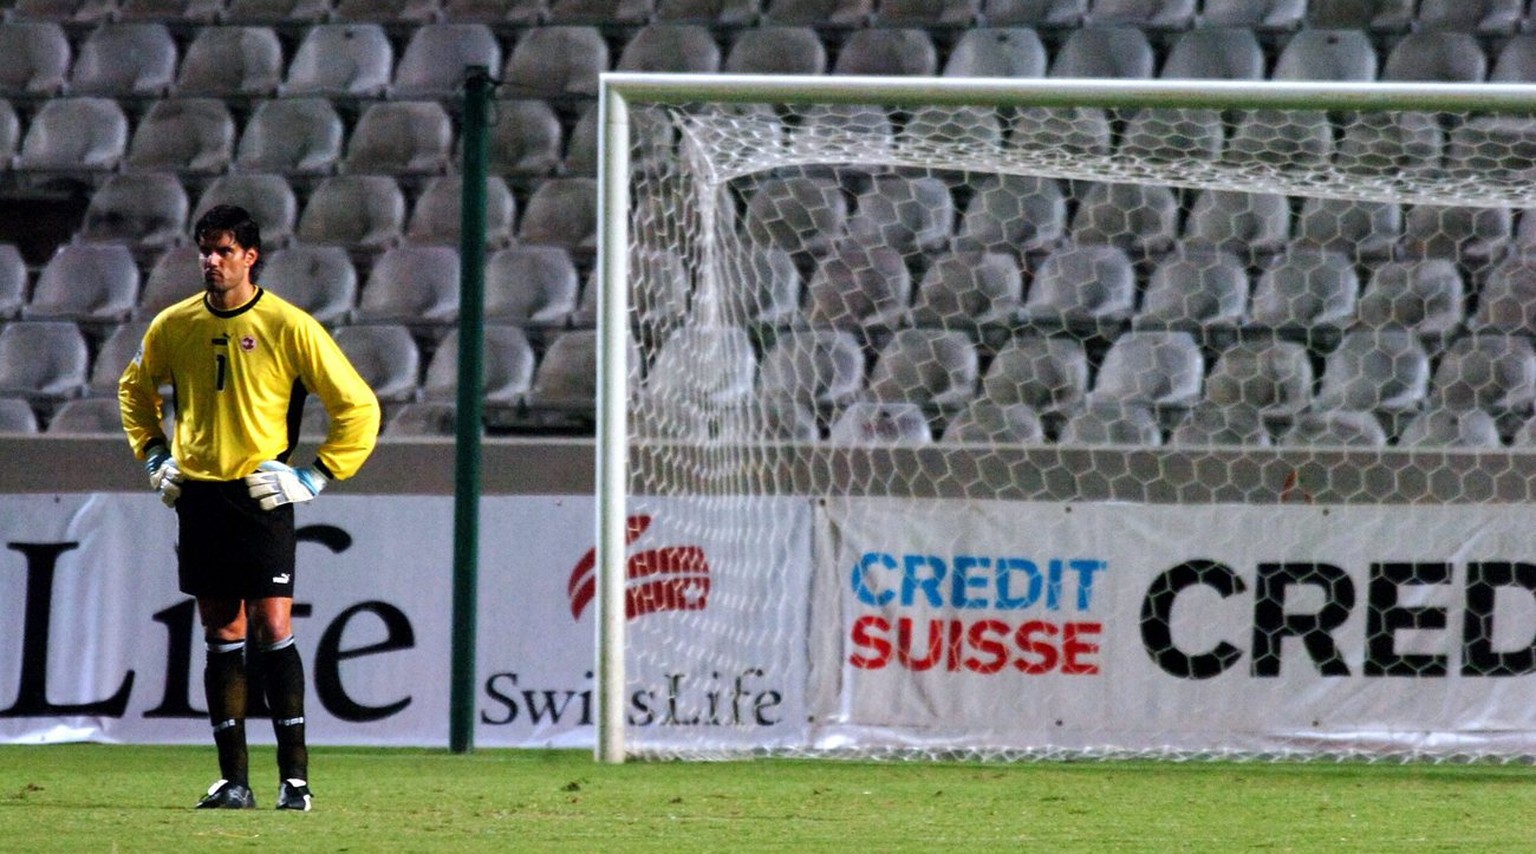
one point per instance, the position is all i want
(385, 356)
(530, 286)
(436, 216)
(362, 212)
(1139, 218)
(175, 275)
(13, 280)
(341, 60)
(1155, 368)
(525, 140)
(926, 13)
(983, 421)
(418, 12)
(859, 286)
(43, 361)
(1305, 290)
(63, 11)
(78, 136)
(1035, 13)
(1384, 16)
(1049, 374)
(435, 56)
(191, 136)
(1336, 428)
(1282, 139)
(888, 52)
(1146, 14)
(809, 13)
(506, 361)
(1385, 369)
(423, 418)
(414, 286)
(1013, 213)
(34, 58)
(679, 48)
(1273, 378)
(1496, 148)
(930, 367)
(291, 136)
(796, 214)
(563, 212)
(1384, 143)
(1263, 16)
(650, 135)
(997, 52)
(400, 138)
(269, 199)
(1441, 56)
(1444, 428)
(1482, 17)
(1195, 289)
(872, 424)
(1319, 54)
(1215, 53)
(565, 379)
(88, 283)
(515, 12)
(556, 61)
(1492, 372)
(1172, 133)
(90, 416)
(1112, 52)
(816, 367)
(1362, 231)
(1425, 296)
(319, 279)
(1507, 300)
(777, 50)
(1089, 288)
(125, 60)
(601, 12)
(674, 377)
(1251, 226)
(709, 12)
(17, 416)
(906, 213)
(1112, 424)
(970, 287)
(1515, 62)
(763, 286)
(1208, 424)
(289, 12)
(147, 209)
(775, 418)
(1471, 236)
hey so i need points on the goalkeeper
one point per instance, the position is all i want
(240, 361)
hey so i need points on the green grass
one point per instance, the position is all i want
(119, 798)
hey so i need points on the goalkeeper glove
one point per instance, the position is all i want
(275, 484)
(164, 474)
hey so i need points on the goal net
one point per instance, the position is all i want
(1065, 418)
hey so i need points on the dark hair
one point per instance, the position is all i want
(237, 223)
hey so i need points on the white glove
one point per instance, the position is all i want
(275, 484)
(164, 475)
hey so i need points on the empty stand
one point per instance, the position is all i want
(1386, 370)
(866, 424)
(1109, 423)
(341, 60)
(610, 12)
(1014, 213)
(1507, 301)
(1168, 133)
(931, 367)
(10, 134)
(319, 279)
(1090, 288)
(552, 62)
(1049, 374)
(1499, 148)
(1252, 226)
(1155, 368)
(1138, 218)
(674, 380)
(71, 11)
(1324, 54)
(565, 380)
(1515, 62)
(777, 418)
(192, 136)
(363, 212)
(1384, 142)
(414, 286)
(1471, 236)
(815, 367)
(424, 418)
(289, 12)
(175, 275)
(1492, 372)
(525, 138)
(507, 363)
(530, 286)
(1147, 14)
(1482, 17)
(859, 286)
(1273, 378)
(777, 50)
(1363, 231)
(1295, 139)
(146, 209)
(1261, 15)
(1215, 53)
(125, 59)
(563, 212)
(86, 283)
(400, 138)
(385, 356)
(682, 48)
(13, 280)
(17, 416)
(906, 213)
(1444, 428)
(818, 12)
(1035, 13)
(268, 198)
(385, 11)
(1377, 15)
(43, 361)
(1305, 290)
(437, 218)
(1335, 428)
(1115, 52)
(81, 136)
(1424, 296)
(796, 214)
(1195, 289)
(34, 58)
(723, 12)
(435, 56)
(991, 423)
(1443, 56)
(997, 52)
(91, 416)
(1208, 424)
(966, 288)
(888, 52)
(292, 136)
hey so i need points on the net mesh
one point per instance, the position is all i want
(1057, 308)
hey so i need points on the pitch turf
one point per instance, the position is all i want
(120, 798)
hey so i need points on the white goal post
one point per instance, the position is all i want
(681, 157)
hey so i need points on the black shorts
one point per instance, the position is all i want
(229, 547)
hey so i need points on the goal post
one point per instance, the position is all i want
(823, 530)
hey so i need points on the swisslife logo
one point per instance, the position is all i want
(669, 578)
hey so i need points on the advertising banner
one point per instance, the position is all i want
(1188, 628)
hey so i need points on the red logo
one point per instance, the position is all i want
(247, 343)
(672, 578)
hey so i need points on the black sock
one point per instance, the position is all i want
(284, 677)
(225, 686)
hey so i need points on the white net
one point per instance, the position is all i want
(1128, 430)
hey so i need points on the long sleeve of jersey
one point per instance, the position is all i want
(239, 380)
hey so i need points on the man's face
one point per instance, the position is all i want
(226, 264)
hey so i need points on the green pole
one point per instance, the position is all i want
(466, 505)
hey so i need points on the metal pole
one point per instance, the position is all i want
(466, 506)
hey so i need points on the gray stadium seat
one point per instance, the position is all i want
(530, 286)
(1305, 289)
(680, 48)
(34, 58)
(1013, 213)
(86, 283)
(563, 212)
(1425, 296)
(906, 213)
(1138, 218)
(986, 422)
(1492, 372)
(1507, 300)
(777, 50)
(926, 13)
(192, 136)
(341, 60)
(888, 52)
(1215, 53)
(1493, 148)
(565, 379)
(423, 418)
(931, 367)
(75, 135)
(437, 215)
(556, 61)
(1273, 378)
(1035, 13)
(507, 362)
(1147, 14)
(17, 416)
(873, 424)
(125, 59)
(1388, 142)
(1252, 226)
(419, 12)
(1471, 236)
(175, 275)
(1516, 61)
(959, 126)
(713, 12)
(1112, 424)
(764, 286)
(1195, 289)
(13, 280)
(90, 416)
(796, 214)
(276, 11)
(385, 356)
(605, 12)
(525, 139)
(63, 11)
(147, 209)
(1049, 374)
(1171, 133)
(1385, 370)
(435, 56)
(1444, 428)
(817, 12)
(10, 133)
(1335, 428)
(859, 286)
(1363, 231)
(1085, 287)
(269, 199)
(776, 418)
(815, 367)
(675, 378)
(400, 138)
(1282, 139)
(414, 286)
(291, 136)
(971, 287)
(1321, 54)
(1156, 368)
(43, 361)
(1483, 17)
(1437, 56)
(997, 52)
(1261, 15)
(1113, 52)
(1207, 424)
(319, 279)
(1375, 15)
(363, 212)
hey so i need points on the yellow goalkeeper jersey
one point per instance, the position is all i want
(240, 378)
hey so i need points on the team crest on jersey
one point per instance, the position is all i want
(248, 343)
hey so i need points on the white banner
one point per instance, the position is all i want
(1188, 628)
